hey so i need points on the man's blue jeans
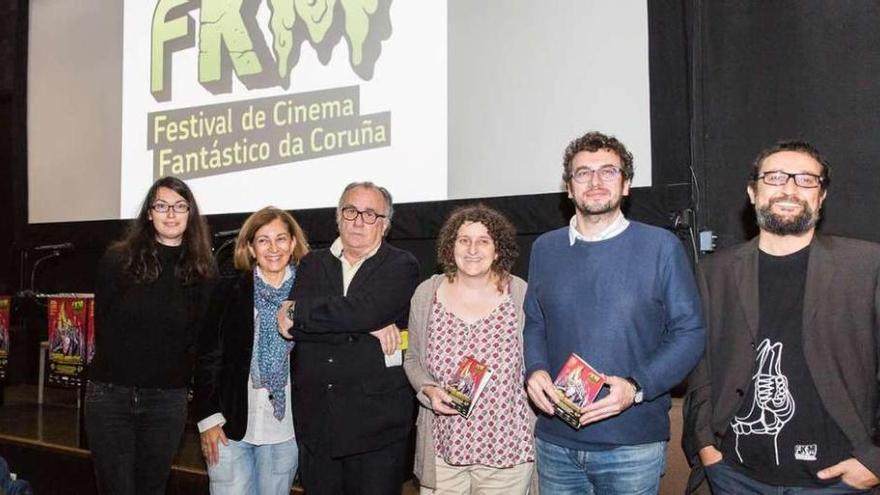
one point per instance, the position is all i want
(724, 480)
(133, 435)
(624, 470)
(254, 469)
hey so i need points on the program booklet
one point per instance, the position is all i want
(467, 384)
(577, 385)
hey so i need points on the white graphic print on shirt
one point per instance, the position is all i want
(772, 403)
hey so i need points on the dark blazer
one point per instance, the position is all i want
(223, 361)
(841, 328)
(344, 398)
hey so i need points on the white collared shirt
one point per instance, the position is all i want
(262, 427)
(614, 229)
(349, 269)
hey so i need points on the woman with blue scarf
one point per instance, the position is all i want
(242, 383)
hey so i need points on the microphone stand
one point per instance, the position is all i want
(53, 254)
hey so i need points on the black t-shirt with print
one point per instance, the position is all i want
(782, 434)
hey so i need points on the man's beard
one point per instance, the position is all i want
(587, 210)
(779, 225)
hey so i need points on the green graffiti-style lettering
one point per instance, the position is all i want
(164, 30)
(357, 25)
(281, 24)
(318, 16)
(225, 37)
(221, 23)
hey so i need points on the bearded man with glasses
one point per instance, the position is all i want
(620, 294)
(352, 403)
(785, 399)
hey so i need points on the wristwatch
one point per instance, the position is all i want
(640, 395)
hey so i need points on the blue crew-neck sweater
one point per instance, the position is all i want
(629, 306)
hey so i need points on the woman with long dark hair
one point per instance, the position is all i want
(243, 383)
(150, 295)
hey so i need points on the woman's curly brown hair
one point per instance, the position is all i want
(500, 230)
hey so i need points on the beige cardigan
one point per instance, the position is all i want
(417, 371)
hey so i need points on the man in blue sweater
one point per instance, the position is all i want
(621, 295)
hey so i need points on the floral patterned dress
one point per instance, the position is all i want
(497, 433)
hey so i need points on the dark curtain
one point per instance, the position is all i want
(796, 69)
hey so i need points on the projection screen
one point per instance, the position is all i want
(283, 102)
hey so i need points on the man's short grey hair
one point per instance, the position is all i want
(389, 204)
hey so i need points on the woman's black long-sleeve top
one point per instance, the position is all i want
(145, 334)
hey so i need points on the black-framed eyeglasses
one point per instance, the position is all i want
(584, 175)
(801, 179)
(179, 207)
(350, 213)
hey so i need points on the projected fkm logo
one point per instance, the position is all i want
(232, 41)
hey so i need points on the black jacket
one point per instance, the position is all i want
(223, 361)
(344, 398)
(841, 340)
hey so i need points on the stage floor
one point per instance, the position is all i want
(56, 425)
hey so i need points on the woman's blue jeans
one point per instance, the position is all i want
(254, 469)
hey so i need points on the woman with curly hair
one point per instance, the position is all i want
(243, 369)
(473, 309)
(151, 291)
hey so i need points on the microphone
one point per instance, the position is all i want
(226, 233)
(64, 246)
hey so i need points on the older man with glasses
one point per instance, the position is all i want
(621, 295)
(352, 403)
(786, 397)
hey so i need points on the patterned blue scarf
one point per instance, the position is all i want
(270, 366)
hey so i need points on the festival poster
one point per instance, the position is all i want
(90, 332)
(5, 307)
(68, 322)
